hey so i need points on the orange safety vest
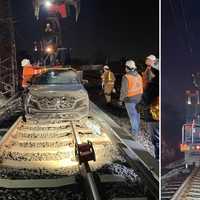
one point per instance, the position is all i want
(28, 72)
(135, 85)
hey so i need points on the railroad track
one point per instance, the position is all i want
(190, 188)
(172, 186)
(48, 145)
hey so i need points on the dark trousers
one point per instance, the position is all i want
(23, 100)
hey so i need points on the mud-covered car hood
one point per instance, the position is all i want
(56, 90)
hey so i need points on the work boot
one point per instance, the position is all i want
(138, 138)
(133, 135)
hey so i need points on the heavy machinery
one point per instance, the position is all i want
(190, 144)
(49, 50)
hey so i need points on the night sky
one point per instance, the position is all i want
(180, 58)
(113, 28)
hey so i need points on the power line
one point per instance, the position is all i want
(173, 10)
(186, 27)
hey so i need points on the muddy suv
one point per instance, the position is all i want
(58, 93)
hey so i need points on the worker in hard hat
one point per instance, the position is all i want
(150, 105)
(29, 71)
(48, 28)
(108, 83)
(49, 34)
(147, 75)
(130, 94)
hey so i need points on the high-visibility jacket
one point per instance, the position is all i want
(28, 72)
(108, 77)
(135, 85)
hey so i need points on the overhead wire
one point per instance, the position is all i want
(177, 24)
(187, 31)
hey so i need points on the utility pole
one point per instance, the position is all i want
(8, 64)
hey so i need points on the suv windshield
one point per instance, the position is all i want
(56, 77)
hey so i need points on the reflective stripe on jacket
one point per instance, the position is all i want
(135, 85)
(108, 77)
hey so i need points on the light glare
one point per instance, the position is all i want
(48, 4)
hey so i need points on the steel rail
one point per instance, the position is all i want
(187, 186)
(137, 157)
(86, 173)
(123, 142)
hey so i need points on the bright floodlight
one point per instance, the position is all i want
(49, 49)
(48, 4)
(189, 102)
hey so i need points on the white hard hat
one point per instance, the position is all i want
(152, 57)
(25, 62)
(130, 64)
(106, 67)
